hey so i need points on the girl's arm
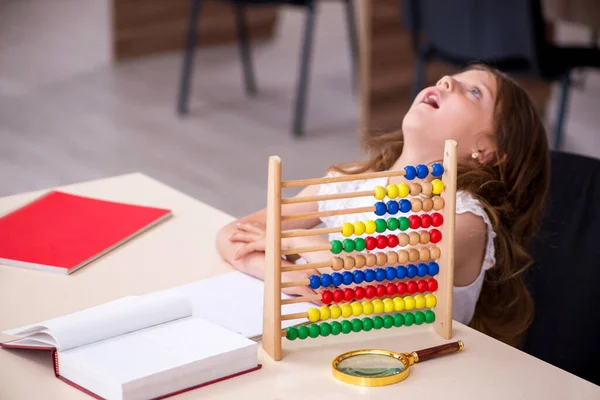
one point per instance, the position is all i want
(470, 243)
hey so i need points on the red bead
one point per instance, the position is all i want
(326, 297)
(392, 241)
(348, 294)
(380, 291)
(411, 287)
(338, 295)
(414, 221)
(370, 291)
(422, 286)
(359, 293)
(382, 242)
(435, 236)
(390, 289)
(426, 221)
(437, 219)
(370, 242)
(402, 288)
(432, 285)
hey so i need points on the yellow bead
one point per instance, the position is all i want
(409, 303)
(379, 192)
(378, 306)
(336, 311)
(438, 186)
(430, 300)
(346, 310)
(398, 303)
(357, 309)
(325, 313)
(347, 229)
(313, 314)
(392, 191)
(367, 307)
(370, 226)
(359, 228)
(388, 305)
(420, 301)
(403, 190)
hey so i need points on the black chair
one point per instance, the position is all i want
(508, 34)
(239, 7)
(564, 280)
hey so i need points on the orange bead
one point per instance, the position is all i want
(427, 188)
(337, 263)
(427, 204)
(381, 259)
(424, 254)
(360, 261)
(424, 237)
(414, 238)
(392, 257)
(413, 255)
(349, 262)
(434, 253)
(403, 239)
(370, 259)
(438, 203)
(402, 257)
(416, 205)
(415, 189)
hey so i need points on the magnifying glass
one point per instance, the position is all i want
(384, 367)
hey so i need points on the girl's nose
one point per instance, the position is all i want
(445, 83)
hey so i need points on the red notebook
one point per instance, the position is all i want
(61, 232)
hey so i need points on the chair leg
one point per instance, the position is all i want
(565, 84)
(188, 59)
(244, 46)
(419, 74)
(302, 85)
(353, 41)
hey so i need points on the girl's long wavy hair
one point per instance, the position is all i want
(512, 193)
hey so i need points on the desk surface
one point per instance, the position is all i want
(182, 250)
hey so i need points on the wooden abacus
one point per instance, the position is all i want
(437, 195)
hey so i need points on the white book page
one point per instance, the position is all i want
(108, 320)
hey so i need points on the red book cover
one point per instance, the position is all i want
(62, 232)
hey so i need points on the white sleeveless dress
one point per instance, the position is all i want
(465, 297)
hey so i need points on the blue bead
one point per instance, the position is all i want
(390, 273)
(410, 172)
(379, 274)
(422, 269)
(336, 278)
(433, 268)
(411, 271)
(347, 278)
(422, 171)
(380, 208)
(438, 170)
(315, 282)
(400, 272)
(359, 276)
(369, 275)
(393, 207)
(326, 280)
(405, 205)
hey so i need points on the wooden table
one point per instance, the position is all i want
(182, 250)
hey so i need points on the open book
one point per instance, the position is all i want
(139, 347)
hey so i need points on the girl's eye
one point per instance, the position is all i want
(476, 92)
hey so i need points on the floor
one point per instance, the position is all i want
(67, 114)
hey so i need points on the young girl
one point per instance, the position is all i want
(503, 173)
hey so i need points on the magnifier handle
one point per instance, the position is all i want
(438, 351)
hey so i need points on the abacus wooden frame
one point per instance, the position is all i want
(272, 316)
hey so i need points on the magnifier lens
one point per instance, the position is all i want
(371, 366)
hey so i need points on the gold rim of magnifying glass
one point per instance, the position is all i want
(374, 381)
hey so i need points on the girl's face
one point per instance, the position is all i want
(459, 107)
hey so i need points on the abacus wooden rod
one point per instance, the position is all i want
(301, 299)
(318, 214)
(287, 317)
(307, 249)
(304, 282)
(323, 197)
(302, 267)
(309, 232)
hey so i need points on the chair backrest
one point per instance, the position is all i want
(564, 279)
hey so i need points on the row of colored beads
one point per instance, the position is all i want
(356, 325)
(369, 275)
(389, 258)
(380, 225)
(380, 291)
(401, 190)
(382, 242)
(392, 206)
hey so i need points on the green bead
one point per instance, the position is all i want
(291, 333)
(419, 317)
(398, 320)
(388, 321)
(357, 325)
(346, 327)
(336, 328)
(429, 316)
(302, 332)
(377, 322)
(409, 319)
(349, 245)
(393, 224)
(404, 223)
(313, 330)
(367, 324)
(380, 225)
(336, 247)
(325, 328)
(360, 244)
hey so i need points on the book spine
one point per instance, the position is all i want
(55, 362)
